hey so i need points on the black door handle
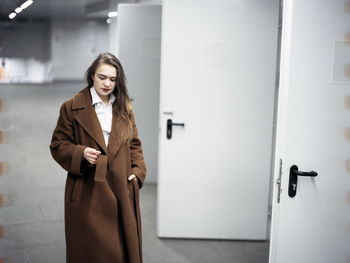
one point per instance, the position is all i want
(169, 127)
(293, 179)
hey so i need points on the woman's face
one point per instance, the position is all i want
(104, 80)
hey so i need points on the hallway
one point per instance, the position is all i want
(32, 188)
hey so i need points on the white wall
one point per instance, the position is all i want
(153, 2)
(75, 43)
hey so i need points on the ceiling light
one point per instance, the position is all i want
(26, 4)
(18, 10)
(109, 21)
(12, 15)
(112, 14)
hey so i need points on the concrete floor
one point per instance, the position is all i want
(32, 187)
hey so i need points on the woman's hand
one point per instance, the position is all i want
(91, 154)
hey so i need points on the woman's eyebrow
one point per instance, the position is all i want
(102, 75)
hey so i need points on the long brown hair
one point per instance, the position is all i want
(121, 105)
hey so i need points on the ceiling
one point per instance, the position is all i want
(57, 8)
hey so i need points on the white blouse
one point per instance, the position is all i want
(103, 112)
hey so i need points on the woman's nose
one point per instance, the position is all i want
(107, 83)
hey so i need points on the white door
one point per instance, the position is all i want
(218, 64)
(139, 28)
(313, 133)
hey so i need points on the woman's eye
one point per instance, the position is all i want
(102, 78)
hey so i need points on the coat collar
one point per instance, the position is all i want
(87, 118)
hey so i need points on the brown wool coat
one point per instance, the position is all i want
(102, 214)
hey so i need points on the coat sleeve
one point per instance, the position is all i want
(138, 166)
(63, 148)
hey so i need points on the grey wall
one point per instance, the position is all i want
(113, 26)
(71, 43)
(25, 40)
(75, 43)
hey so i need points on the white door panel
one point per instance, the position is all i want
(139, 51)
(313, 226)
(217, 77)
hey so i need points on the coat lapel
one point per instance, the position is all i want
(87, 117)
(114, 142)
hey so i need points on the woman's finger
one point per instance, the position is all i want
(133, 176)
(91, 155)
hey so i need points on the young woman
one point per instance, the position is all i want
(96, 142)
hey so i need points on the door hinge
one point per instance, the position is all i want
(279, 183)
